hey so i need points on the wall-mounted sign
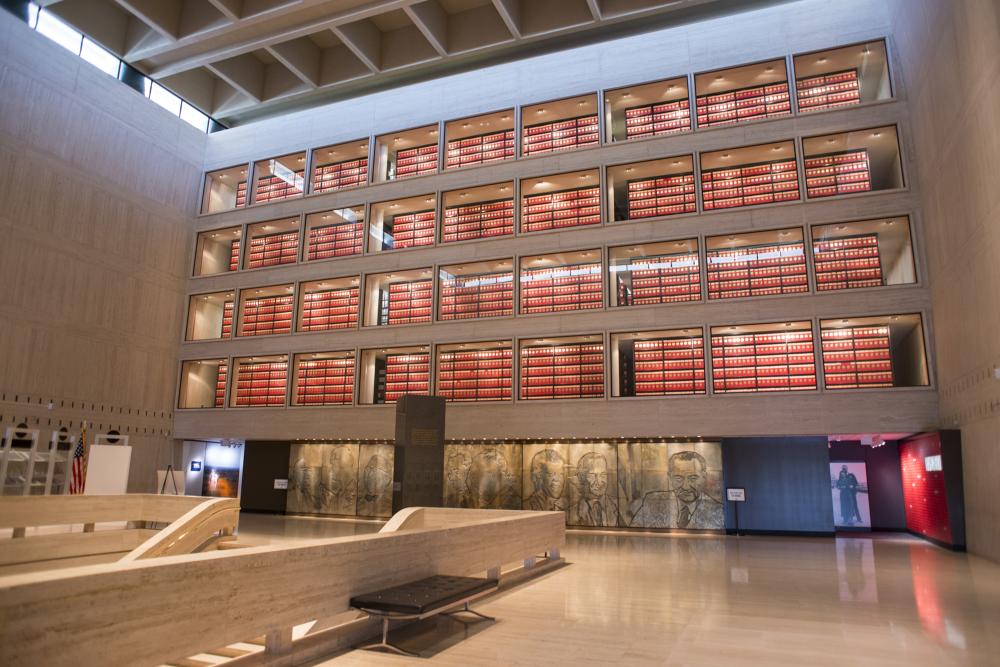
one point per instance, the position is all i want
(195, 466)
(736, 495)
(933, 463)
(281, 483)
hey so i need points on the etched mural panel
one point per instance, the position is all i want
(483, 476)
(671, 485)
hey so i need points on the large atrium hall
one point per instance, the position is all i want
(499, 332)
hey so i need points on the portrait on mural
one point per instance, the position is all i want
(375, 480)
(671, 485)
(849, 485)
(546, 467)
(338, 487)
(303, 478)
(482, 476)
(593, 488)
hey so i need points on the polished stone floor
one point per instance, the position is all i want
(638, 599)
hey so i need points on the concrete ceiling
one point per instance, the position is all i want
(243, 59)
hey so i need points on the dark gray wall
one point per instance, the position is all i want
(885, 482)
(263, 462)
(787, 481)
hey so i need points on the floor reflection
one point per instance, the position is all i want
(661, 599)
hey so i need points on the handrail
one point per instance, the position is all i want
(25, 511)
(192, 530)
(126, 613)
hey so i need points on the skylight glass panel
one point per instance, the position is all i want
(99, 58)
(165, 99)
(59, 32)
(194, 117)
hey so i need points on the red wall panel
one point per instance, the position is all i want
(924, 492)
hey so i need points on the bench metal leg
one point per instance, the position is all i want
(385, 642)
(468, 610)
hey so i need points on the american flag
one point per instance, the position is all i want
(79, 464)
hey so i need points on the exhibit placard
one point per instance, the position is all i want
(736, 494)
(281, 483)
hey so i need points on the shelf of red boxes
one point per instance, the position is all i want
(659, 279)
(476, 375)
(560, 135)
(669, 366)
(857, 357)
(737, 106)
(234, 255)
(758, 270)
(406, 374)
(480, 149)
(324, 381)
(828, 91)
(416, 161)
(566, 208)
(558, 288)
(340, 175)
(769, 361)
(847, 262)
(227, 320)
(406, 303)
(477, 296)
(275, 188)
(330, 309)
(337, 240)
(408, 230)
(273, 249)
(575, 370)
(261, 384)
(749, 185)
(663, 195)
(838, 173)
(651, 120)
(241, 194)
(477, 221)
(267, 315)
(220, 384)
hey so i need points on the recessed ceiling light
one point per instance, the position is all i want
(725, 155)
(504, 117)
(466, 124)
(540, 111)
(876, 134)
(395, 138)
(843, 321)
(302, 159)
(718, 77)
(629, 170)
(768, 69)
(841, 228)
(429, 200)
(671, 87)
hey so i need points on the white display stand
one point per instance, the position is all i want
(107, 469)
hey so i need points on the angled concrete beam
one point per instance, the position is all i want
(364, 39)
(595, 9)
(163, 16)
(510, 12)
(432, 20)
(232, 9)
(301, 56)
(245, 73)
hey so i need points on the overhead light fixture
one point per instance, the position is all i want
(876, 134)
(540, 111)
(718, 77)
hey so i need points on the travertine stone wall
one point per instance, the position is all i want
(952, 53)
(97, 191)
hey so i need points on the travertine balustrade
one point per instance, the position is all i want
(128, 613)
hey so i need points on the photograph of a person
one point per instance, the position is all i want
(849, 485)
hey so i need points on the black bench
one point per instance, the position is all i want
(422, 599)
